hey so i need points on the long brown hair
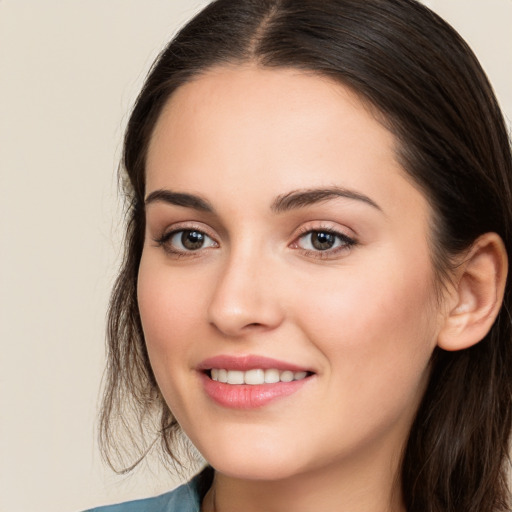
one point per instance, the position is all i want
(431, 92)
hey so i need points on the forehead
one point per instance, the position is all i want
(251, 130)
(249, 94)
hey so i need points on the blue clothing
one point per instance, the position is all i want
(186, 498)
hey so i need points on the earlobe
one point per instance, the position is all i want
(477, 295)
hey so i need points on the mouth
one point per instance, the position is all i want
(256, 376)
(250, 382)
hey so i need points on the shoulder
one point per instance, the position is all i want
(181, 499)
(185, 498)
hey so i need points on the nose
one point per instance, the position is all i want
(245, 298)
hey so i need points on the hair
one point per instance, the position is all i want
(429, 89)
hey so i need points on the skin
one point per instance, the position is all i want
(364, 319)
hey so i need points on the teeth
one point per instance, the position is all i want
(256, 376)
(271, 376)
(235, 377)
(287, 376)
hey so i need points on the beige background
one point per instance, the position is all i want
(69, 72)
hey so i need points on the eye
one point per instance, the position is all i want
(186, 241)
(324, 241)
(190, 240)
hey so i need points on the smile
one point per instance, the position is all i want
(256, 376)
(250, 381)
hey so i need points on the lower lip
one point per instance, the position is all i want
(244, 396)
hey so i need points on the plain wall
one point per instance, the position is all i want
(69, 72)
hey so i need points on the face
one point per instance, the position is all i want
(286, 288)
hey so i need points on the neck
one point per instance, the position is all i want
(372, 487)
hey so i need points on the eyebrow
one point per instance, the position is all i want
(179, 199)
(307, 197)
(292, 200)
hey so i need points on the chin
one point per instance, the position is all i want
(268, 463)
(255, 468)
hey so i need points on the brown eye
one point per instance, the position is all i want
(186, 241)
(324, 241)
(192, 240)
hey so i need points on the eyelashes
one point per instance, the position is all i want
(185, 242)
(189, 240)
(323, 243)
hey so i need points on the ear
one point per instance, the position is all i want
(477, 296)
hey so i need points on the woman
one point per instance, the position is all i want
(315, 284)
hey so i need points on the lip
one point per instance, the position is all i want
(243, 396)
(248, 362)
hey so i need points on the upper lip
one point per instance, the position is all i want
(248, 362)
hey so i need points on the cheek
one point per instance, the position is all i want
(168, 308)
(377, 330)
(389, 302)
